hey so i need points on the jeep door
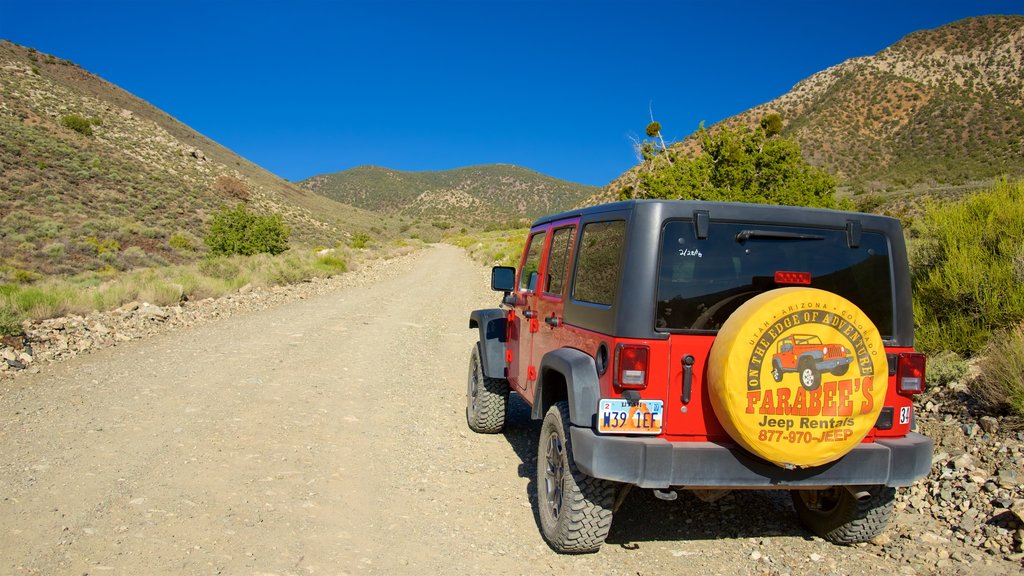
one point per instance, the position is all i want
(550, 307)
(525, 322)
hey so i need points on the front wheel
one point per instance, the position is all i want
(839, 516)
(486, 398)
(575, 510)
(810, 378)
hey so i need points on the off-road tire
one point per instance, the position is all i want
(575, 510)
(486, 398)
(837, 516)
(810, 378)
(777, 371)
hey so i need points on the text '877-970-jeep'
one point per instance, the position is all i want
(707, 346)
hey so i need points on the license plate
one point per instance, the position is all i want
(616, 416)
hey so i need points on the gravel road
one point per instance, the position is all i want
(328, 436)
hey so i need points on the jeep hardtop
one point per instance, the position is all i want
(653, 338)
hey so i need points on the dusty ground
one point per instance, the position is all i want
(327, 436)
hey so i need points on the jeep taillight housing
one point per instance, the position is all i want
(910, 373)
(631, 366)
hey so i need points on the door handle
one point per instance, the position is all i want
(553, 321)
(687, 378)
(529, 313)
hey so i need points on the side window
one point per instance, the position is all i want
(598, 263)
(558, 260)
(528, 274)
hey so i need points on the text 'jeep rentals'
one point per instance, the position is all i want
(654, 339)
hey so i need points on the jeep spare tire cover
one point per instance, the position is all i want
(803, 414)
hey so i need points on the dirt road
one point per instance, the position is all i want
(327, 436)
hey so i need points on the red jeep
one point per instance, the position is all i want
(805, 353)
(652, 336)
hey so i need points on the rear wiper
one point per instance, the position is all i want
(745, 235)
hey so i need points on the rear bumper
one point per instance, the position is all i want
(658, 463)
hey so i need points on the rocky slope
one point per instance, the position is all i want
(93, 177)
(475, 195)
(939, 109)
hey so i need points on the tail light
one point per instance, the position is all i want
(910, 373)
(795, 278)
(631, 366)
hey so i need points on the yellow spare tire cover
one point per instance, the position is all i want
(798, 376)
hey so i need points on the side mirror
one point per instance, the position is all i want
(503, 278)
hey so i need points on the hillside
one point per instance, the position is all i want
(939, 110)
(474, 195)
(116, 191)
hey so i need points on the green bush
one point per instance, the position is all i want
(77, 123)
(944, 368)
(330, 264)
(1001, 384)
(968, 269)
(10, 324)
(236, 231)
(737, 166)
(360, 240)
(181, 242)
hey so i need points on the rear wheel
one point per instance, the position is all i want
(486, 398)
(575, 510)
(840, 517)
(777, 371)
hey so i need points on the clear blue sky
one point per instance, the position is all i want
(305, 87)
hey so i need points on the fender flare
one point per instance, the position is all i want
(491, 323)
(582, 386)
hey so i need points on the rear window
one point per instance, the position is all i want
(701, 282)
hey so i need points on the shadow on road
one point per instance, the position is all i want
(644, 518)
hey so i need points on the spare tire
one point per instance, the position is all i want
(780, 419)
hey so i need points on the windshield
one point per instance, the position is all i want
(701, 282)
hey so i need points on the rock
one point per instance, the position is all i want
(755, 555)
(881, 540)
(962, 462)
(15, 364)
(16, 342)
(989, 424)
(933, 539)
(970, 429)
(1017, 508)
(245, 289)
(1007, 478)
(24, 358)
(151, 312)
(815, 557)
(130, 307)
(8, 355)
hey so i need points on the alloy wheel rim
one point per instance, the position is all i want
(553, 475)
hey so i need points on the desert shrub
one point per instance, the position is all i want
(77, 123)
(968, 269)
(181, 242)
(232, 187)
(221, 268)
(1000, 387)
(944, 368)
(360, 240)
(54, 250)
(102, 246)
(10, 323)
(330, 264)
(25, 276)
(237, 231)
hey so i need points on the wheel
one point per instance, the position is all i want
(810, 378)
(486, 398)
(575, 510)
(840, 370)
(777, 371)
(838, 516)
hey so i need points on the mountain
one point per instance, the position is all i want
(474, 195)
(939, 109)
(93, 177)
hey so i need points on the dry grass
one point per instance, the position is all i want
(165, 286)
(1000, 386)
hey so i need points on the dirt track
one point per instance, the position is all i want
(327, 436)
